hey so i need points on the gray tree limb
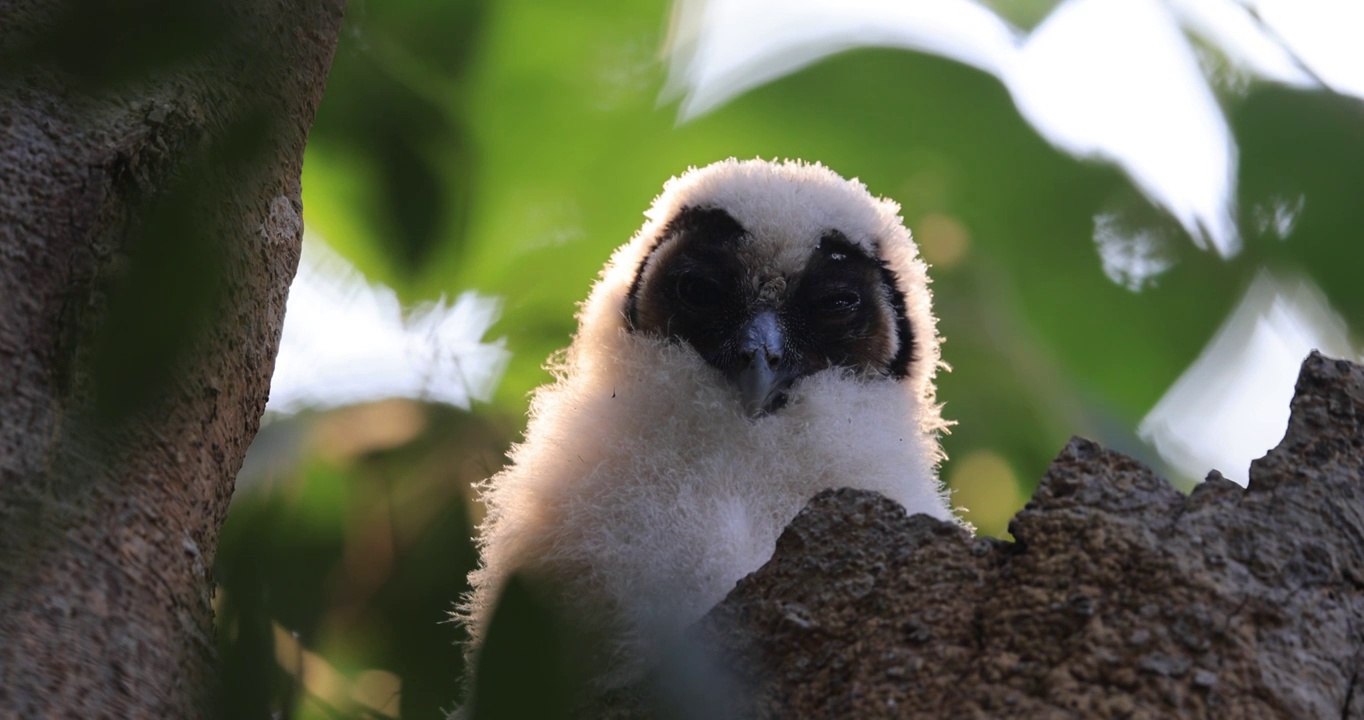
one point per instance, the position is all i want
(1122, 598)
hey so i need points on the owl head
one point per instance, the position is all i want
(773, 272)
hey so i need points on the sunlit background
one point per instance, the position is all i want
(1141, 215)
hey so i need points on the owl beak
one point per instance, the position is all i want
(762, 380)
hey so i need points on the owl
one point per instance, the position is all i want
(767, 334)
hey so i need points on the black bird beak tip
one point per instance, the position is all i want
(763, 381)
(757, 384)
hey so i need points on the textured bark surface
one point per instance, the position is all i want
(1122, 598)
(105, 592)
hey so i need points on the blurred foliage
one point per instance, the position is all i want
(173, 273)
(523, 665)
(102, 44)
(394, 124)
(509, 147)
(351, 541)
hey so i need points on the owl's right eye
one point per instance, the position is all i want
(840, 302)
(699, 292)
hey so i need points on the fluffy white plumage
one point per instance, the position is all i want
(643, 492)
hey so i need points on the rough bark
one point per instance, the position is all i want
(1120, 598)
(108, 533)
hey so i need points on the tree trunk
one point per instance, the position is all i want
(150, 225)
(1120, 597)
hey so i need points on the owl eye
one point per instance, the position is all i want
(699, 292)
(840, 302)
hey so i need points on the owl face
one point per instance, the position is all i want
(766, 309)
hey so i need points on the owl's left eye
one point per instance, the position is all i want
(699, 292)
(840, 302)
